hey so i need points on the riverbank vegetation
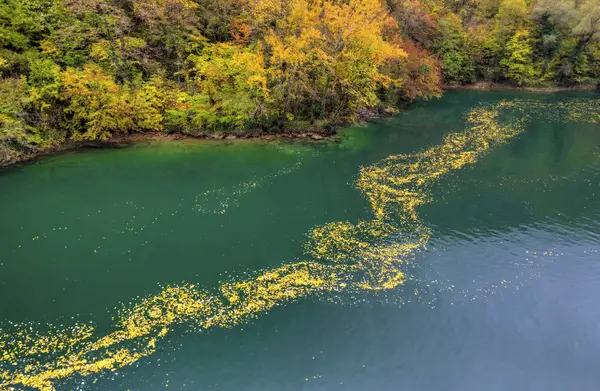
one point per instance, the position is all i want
(85, 70)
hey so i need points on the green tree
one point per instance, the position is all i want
(518, 61)
(14, 134)
(457, 65)
(569, 64)
(232, 87)
(579, 23)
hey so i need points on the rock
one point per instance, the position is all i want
(231, 137)
(317, 137)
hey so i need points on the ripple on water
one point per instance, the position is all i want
(352, 258)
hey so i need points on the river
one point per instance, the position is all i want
(492, 262)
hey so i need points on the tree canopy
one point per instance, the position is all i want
(88, 69)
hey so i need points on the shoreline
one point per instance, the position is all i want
(492, 86)
(126, 140)
(329, 134)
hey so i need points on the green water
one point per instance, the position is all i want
(503, 296)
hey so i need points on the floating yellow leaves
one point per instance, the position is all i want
(361, 256)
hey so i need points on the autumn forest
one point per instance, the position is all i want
(85, 70)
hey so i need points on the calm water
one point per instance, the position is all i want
(504, 297)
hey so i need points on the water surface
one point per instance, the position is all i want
(502, 297)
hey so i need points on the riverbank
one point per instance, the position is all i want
(492, 86)
(327, 133)
(129, 139)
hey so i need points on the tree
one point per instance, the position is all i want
(416, 19)
(518, 61)
(512, 15)
(587, 24)
(595, 61)
(582, 17)
(420, 74)
(331, 55)
(110, 24)
(579, 23)
(86, 69)
(457, 65)
(569, 64)
(128, 52)
(169, 26)
(97, 106)
(219, 19)
(232, 87)
(14, 134)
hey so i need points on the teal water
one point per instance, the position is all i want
(503, 296)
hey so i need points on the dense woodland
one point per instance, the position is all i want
(76, 70)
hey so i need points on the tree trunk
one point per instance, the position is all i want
(324, 97)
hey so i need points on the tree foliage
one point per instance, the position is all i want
(519, 58)
(87, 69)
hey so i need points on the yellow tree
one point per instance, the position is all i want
(96, 104)
(332, 54)
(231, 87)
(519, 63)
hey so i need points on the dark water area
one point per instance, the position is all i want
(503, 297)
